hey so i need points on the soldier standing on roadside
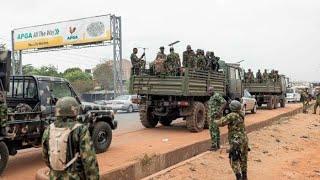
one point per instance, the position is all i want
(136, 62)
(259, 76)
(66, 145)
(265, 76)
(216, 106)
(237, 138)
(305, 100)
(317, 103)
(172, 63)
(188, 58)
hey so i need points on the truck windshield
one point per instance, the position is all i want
(58, 90)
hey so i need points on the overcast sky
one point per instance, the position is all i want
(279, 34)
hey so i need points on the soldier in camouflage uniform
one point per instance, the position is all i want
(136, 62)
(216, 106)
(4, 56)
(237, 138)
(161, 54)
(172, 63)
(305, 100)
(250, 76)
(317, 103)
(265, 76)
(188, 59)
(200, 60)
(259, 76)
(74, 157)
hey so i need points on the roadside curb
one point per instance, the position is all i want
(151, 164)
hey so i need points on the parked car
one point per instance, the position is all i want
(249, 103)
(127, 103)
(293, 95)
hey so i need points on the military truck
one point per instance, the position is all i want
(31, 105)
(164, 98)
(270, 93)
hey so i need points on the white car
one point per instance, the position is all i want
(249, 103)
(293, 95)
(127, 103)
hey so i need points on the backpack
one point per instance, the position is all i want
(58, 147)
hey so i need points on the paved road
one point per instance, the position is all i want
(127, 122)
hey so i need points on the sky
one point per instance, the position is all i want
(267, 34)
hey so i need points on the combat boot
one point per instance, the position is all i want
(244, 175)
(238, 176)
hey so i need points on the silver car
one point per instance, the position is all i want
(127, 103)
(249, 103)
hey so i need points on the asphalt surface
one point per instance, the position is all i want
(127, 122)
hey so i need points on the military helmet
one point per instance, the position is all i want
(235, 106)
(171, 48)
(67, 107)
(162, 47)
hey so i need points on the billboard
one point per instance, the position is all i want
(74, 32)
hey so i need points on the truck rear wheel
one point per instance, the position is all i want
(4, 156)
(207, 118)
(146, 117)
(101, 136)
(270, 104)
(282, 103)
(196, 121)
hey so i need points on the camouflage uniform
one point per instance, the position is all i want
(317, 103)
(265, 76)
(250, 76)
(305, 101)
(238, 141)
(259, 76)
(85, 166)
(200, 60)
(136, 63)
(188, 59)
(172, 63)
(215, 104)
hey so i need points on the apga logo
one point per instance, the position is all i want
(71, 31)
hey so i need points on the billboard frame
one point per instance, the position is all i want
(115, 41)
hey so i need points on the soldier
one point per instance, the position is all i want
(216, 106)
(245, 76)
(217, 63)
(265, 76)
(317, 103)
(276, 76)
(259, 76)
(211, 61)
(305, 100)
(200, 60)
(66, 145)
(238, 139)
(188, 58)
(250, 76)
(161, 54)
(172, 63)
(271, 75)
(136, 62)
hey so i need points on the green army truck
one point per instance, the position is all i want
(31, 105)
(271, 93)
(164, 98)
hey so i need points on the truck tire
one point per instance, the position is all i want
(282, 103)
(254, 110)
(270, 104)
(101, 136)
(275, 103)
(196, 121)
(4, 156)
(207, 118)
(147, 119)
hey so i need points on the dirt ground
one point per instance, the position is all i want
(289, 149)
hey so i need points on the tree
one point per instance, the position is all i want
(104, 76)
(49, 70)
(80, 80)
(28, 69)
